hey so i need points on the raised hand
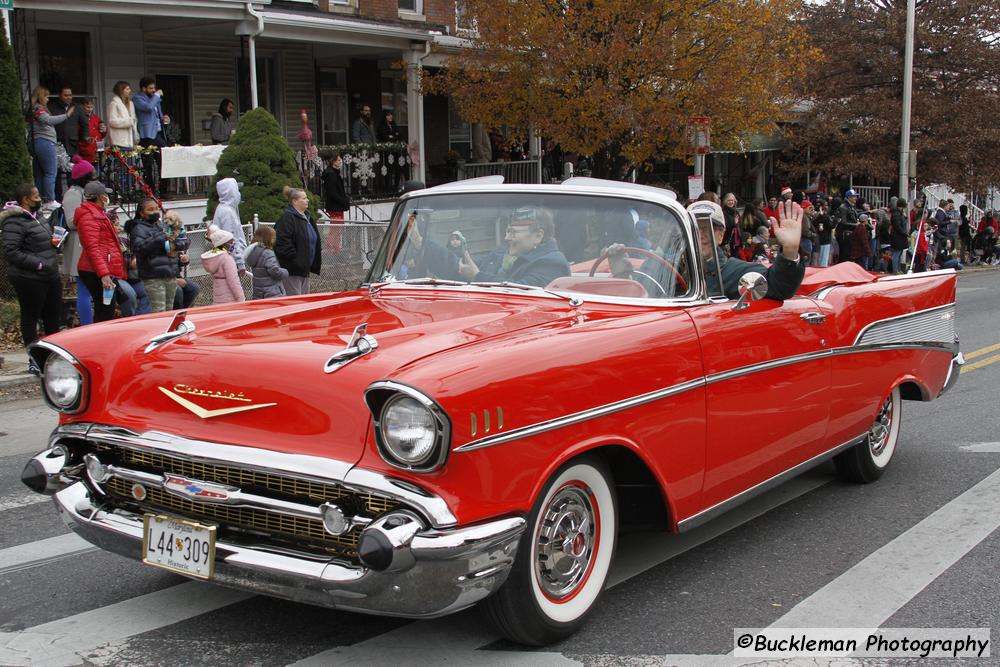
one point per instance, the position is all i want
(788, 228)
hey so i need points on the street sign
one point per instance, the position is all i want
(696, 186)
(6, 4)
(699, 135)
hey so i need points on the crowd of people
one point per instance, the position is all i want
(65, 130)
(887, 239)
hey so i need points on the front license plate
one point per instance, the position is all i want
(178, 545)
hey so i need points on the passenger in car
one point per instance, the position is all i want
(531, 243)
(783, 277)
(532, 257)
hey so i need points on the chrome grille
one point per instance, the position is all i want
(243, 478)
(244, 518)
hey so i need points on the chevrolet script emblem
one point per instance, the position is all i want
(175, 395)
(197, 490)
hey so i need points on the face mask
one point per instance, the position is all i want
(35, 205)
(155, 217)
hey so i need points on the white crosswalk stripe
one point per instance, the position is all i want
(61, 642)
(22, 500)
(42, 552)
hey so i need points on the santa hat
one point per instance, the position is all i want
(786, 191)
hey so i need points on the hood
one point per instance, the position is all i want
(14, 211)
(211, 259)
(229, 192)
(267, 357)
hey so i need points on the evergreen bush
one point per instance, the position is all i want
(262, 162)
(15, 167)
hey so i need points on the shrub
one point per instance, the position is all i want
(262, 162)
(13, 146)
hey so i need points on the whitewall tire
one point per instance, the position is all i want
(866, 461)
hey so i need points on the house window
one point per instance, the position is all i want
(64, 61)
(394, 100)
(267, 85)
(411, 6)
(463, 20)
(459, 132)
(333, 105)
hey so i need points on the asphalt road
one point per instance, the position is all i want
(918, 549)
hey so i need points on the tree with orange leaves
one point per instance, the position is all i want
(618, 79)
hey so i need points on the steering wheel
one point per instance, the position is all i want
(681, 282)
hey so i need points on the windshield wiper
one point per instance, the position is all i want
(573, 301)
(416, 281)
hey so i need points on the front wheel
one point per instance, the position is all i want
(866, 461)
(563, 558)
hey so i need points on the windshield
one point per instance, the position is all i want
(553, 241)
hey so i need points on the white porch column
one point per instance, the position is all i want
(415, 109)
(252, 54)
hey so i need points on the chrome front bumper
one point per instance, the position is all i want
(446, 569)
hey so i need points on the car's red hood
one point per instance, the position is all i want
(252, 374)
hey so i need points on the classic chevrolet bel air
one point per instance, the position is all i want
(478, 420)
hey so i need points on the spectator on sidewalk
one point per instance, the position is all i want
(187, 290)
(227, 218)
(67, 135)
(362, 131)
(32, 263)
(899, 238)
(297, 243)
(102, 263)
(335, 199)
(263, 264)
(43, 142)
(223, 125)
(152, 246)
(121, 119)
(82, 174)
(964, 234)
(226, 287)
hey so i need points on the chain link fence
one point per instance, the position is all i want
(347, 252)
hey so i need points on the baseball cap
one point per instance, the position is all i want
(95, 189)
(850, 193)
(711, 209)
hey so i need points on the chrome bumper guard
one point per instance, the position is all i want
(436, 571)
(954, 370)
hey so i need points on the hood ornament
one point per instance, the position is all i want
(179, 326)
(359, 345)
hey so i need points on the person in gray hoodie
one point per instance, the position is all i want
(227, 218)
(263, 264)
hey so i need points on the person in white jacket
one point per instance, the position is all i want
(227, 217)
(121, 119)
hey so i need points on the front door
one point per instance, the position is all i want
(768, 383)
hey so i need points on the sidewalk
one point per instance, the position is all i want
(14, 370)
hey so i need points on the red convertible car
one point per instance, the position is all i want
(476, 422)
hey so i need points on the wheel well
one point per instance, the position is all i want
(641, 503)
(912, 391)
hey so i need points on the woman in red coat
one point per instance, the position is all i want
(102, 261)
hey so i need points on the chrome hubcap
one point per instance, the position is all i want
(566, 541)
(878, 434)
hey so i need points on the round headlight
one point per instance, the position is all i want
(409, 430)
(63, 382)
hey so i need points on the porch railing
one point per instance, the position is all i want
(876, 195)
(520, 171)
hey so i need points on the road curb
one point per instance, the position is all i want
(8, 381)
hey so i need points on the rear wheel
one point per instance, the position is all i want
(563, 558)
(866, 461)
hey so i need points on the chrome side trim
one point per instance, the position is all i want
(820, 294)
(931, 325)
(583, 415)
(302, 466)
(642, 399)
(911, 276)
(705, 515)
(954, 370)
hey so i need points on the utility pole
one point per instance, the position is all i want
(904, 143)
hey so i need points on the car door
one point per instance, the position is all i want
(767, 389)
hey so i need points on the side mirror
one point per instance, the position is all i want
(753, 287)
